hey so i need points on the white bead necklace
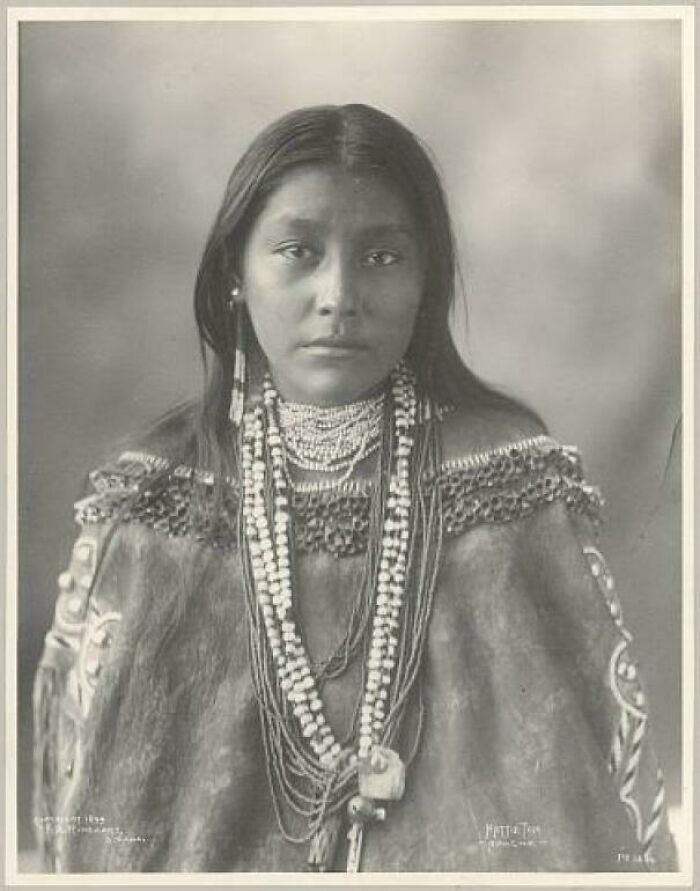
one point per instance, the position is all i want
(330, 439)
(269, 542)
(269, 551)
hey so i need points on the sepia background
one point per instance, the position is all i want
(560, 149)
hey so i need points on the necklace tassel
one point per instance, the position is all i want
(324, 844)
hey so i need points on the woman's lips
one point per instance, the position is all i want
(335, 347)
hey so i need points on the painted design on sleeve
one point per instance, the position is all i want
(63, 638)
(78, 639)
(99, 634)
(98, 627)
(627, 745)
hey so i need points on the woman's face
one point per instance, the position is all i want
(332, 275)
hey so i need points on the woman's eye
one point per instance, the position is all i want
(381, 258)
(295, 252)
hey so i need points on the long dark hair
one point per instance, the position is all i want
(360, 139)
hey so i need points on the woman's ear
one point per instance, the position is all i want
(235, 295)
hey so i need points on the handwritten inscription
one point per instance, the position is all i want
(89, 823)
(512, 835)
(627, 857)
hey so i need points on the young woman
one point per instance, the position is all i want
(346, 613)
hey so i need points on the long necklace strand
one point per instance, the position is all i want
(355, 633)
(430, 537)
(300, 746)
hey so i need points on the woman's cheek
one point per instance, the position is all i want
(399, 307)
(272, 300)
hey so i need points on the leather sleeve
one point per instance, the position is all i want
(632, 760)
(581, 598)
(66, 678)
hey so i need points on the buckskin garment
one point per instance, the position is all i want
(535, 751)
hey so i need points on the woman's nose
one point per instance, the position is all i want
(337, 292)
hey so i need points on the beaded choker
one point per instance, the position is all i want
(309, 770)
(331, 439)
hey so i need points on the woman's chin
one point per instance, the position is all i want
(329, 387)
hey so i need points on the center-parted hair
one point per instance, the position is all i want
(356, 138)
(360, 139)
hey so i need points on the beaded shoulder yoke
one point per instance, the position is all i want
(495, 486)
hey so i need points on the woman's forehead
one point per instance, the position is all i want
(312, 197)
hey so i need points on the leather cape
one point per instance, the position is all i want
(535, 751)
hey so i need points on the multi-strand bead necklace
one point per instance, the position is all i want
(331, 439)
(300, 744)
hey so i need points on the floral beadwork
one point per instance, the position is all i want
(606, 584)
(77, 643)
(496, 486)
(628, 739)
(72, 603)
(82, 629)
(100, 629)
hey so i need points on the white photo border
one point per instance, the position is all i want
(684, 14)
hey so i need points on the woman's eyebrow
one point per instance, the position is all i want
(373, 230)
(380, 229)
(287, 219)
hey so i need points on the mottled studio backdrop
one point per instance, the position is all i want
(560, 147)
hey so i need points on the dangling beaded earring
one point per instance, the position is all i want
(238, 389)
